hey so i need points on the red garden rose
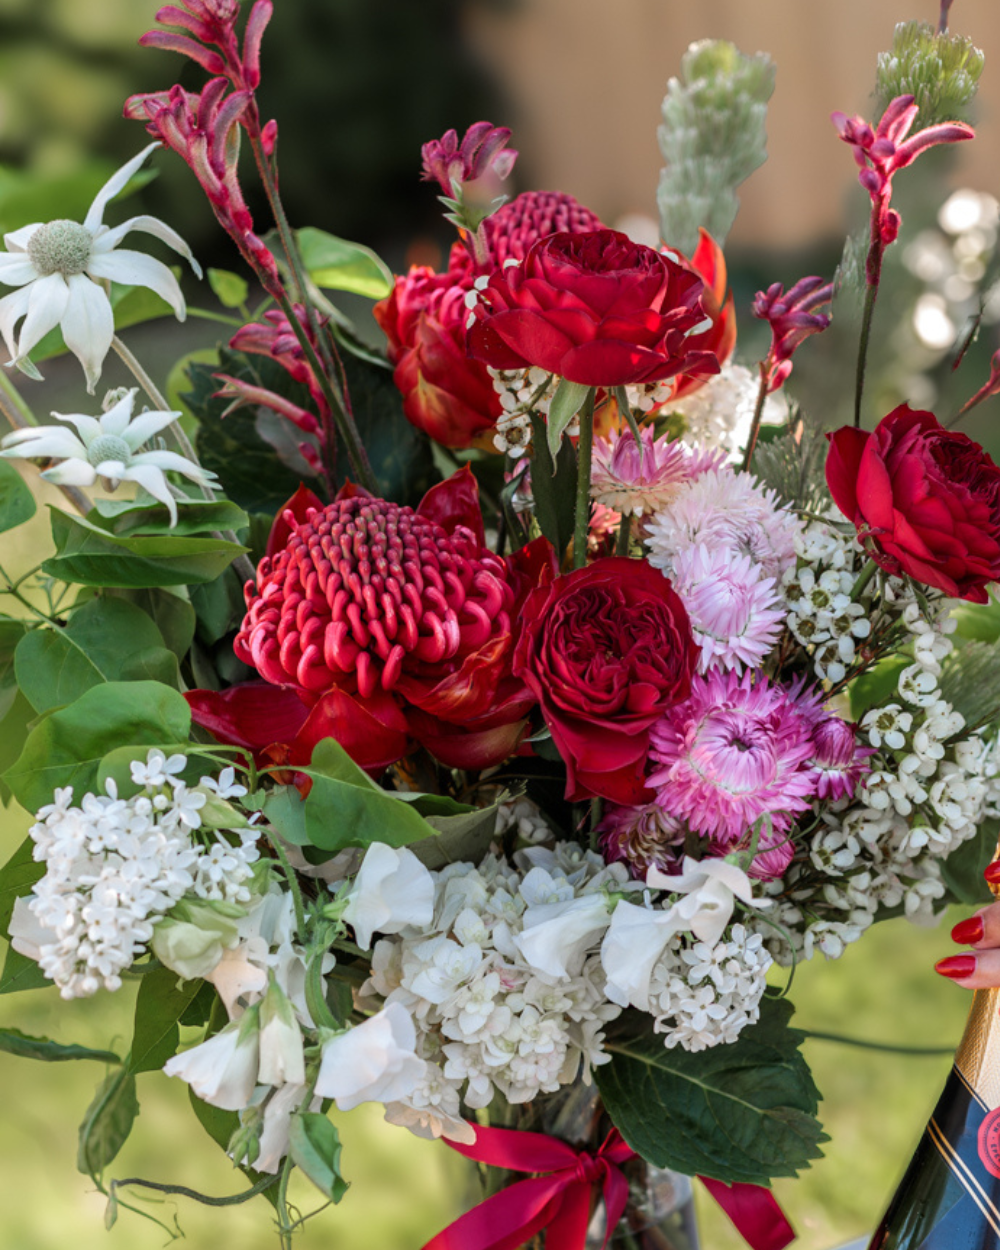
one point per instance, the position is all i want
(926, 500)
(605, 650)
(594, 308)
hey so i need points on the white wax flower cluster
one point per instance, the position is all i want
(116, 867)
(719, 412)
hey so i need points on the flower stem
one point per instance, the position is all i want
(864, 577)
(624, 535)
(294, 889)
(873, 274)
(583, 453)
(758, 414)
(17, 401)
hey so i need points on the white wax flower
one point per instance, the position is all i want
(223, 1070)
(281, 1050)
(556, 936)
(710, 886)
(632, 946)
(59, 268)
(108, 447)
(372, 1062)
(392, 891)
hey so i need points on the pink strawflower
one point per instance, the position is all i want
(603, 531)
(838, 759)
(642, 477)
(792, 317)
(728, 510)
(735, 752)
(642, 837)
(736, 611)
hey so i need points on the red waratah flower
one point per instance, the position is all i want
(925, 500)
(445, 393)
(594, 308)
(392, 624)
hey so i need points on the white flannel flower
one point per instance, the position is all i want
(107, 447)
(60, 268)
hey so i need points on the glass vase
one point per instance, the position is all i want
(659, 1216)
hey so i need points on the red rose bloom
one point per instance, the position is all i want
(594, 308)
(925, 500)
(605, 650)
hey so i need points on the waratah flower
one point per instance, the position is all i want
(735, 752)
(59, 268)
(593, 308)
(605, 650)
(369, 610)
(108, 447)
(925, 500)
(641, 837)
(736, 612)
(445, 393)
(726, 510)
(640, 477)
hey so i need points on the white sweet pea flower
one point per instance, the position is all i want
(277, 1122)
(632, 946)
(27, 934)
(223, 1070)
(710, 886)
(281, 1050)
(375, 1061)
(60, 268)
(392, 891)
(107, 447)
(557, 936)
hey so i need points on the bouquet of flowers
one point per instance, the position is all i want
(479, 729)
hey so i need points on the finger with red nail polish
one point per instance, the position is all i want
(980, 971)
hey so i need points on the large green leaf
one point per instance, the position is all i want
(553, 487)
(66, 747)
(742, 1112)
(107, 1123)
(159, 1006)
(21, 973)
(970, 681)
(13, 731)
(144, 517)
(17, 503)
(11, 633)
(103, 638)
(566, 403)
(314, 1145)
(91, 556)
(17, 877)
(963, 869)
(342, 266)
(173, 616)
(14, 1042)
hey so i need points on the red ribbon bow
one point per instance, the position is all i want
(561, 1201)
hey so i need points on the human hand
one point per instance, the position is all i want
(979, 969)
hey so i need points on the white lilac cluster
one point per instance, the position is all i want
(522, 392)
(725, 541)
(719, 412)
(924, 796)
(818, 591)
(115, 867)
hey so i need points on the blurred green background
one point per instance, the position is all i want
(357, 86)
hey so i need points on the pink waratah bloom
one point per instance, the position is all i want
(640, 478)
(735, 753)
(642, 837)
(736, 613)
(724, 510)
(483, 150)
(881, 153)
(792, 317)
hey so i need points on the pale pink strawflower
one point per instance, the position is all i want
(726, 509)
(736, 611)
(641, 477)
(642, 837)
(733, 753)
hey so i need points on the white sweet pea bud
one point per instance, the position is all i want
(556, 936)
(392, 891)
(373, 1062)
(281, 1053)
(191, 940)
(223, 1070)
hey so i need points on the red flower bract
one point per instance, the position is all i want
(925, 500)
(605, 650)
(594, 308)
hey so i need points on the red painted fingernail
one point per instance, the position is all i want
(968, 931)
(992, 873)
(957, 967)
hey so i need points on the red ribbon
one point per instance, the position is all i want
(561, 1201)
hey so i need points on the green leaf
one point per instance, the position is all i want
(343, 266)
(11, 633)
(173, 616)
(978, 622)
(877, 685)
(970, 682)
(553, 486)
(17, 877)
(346, 808)
(92, 557)
(218, 1124)
(17, 503)
(285, 809)
(465, 837)
(314, 1145)
(742, 1112)
(13, 731)
(219, 607)
(229, 288)
(14, 1042)
(195, 516)
(566, 403)
(54, 666)
(161, 1002)
(21, 973)
(963, 869)
(67, 746)
(108, 1122)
